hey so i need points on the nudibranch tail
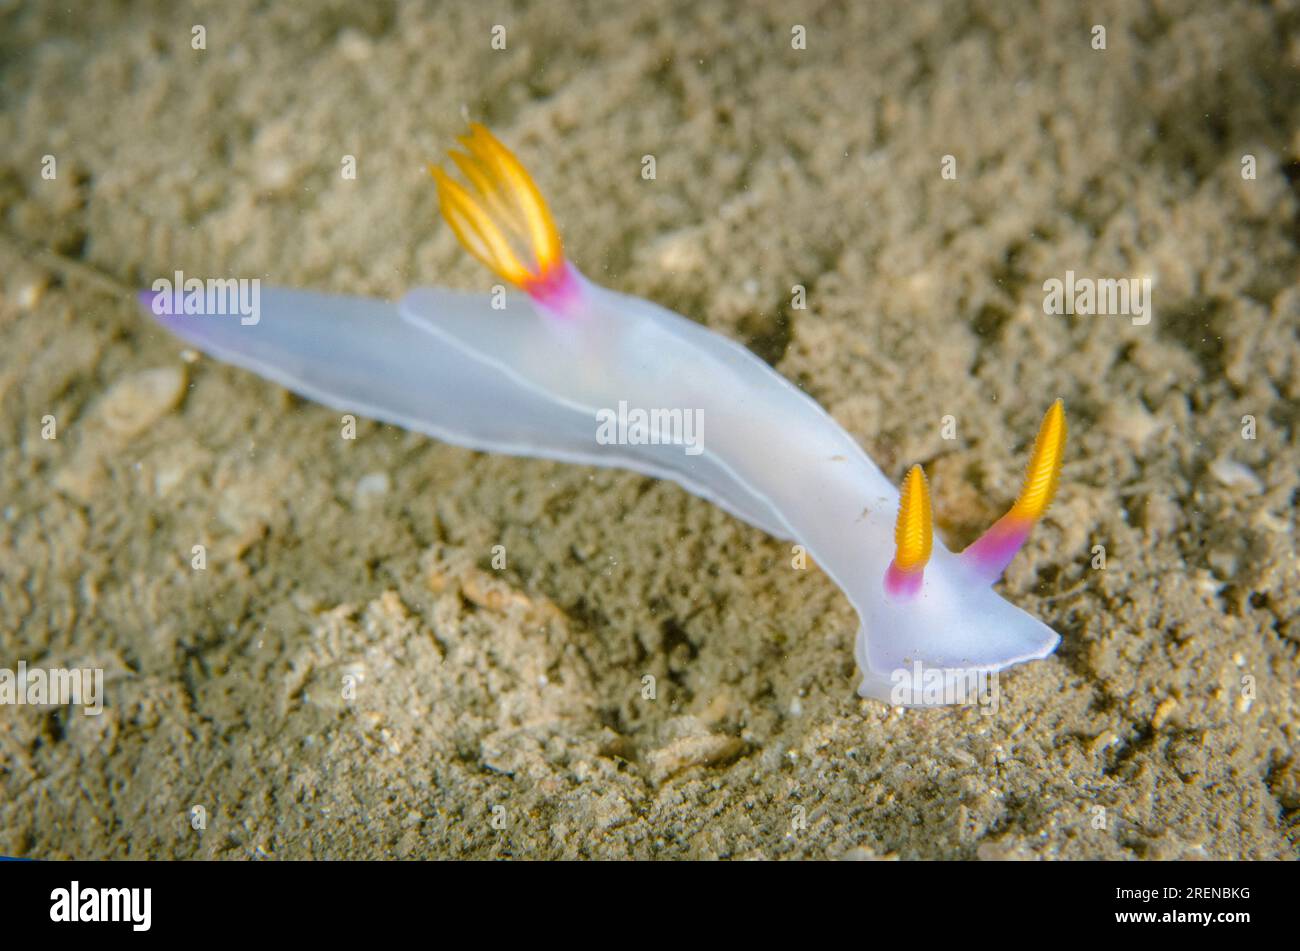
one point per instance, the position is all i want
(501, 218)
(989, 556)
(913, 537)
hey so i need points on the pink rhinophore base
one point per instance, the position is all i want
(559, 292)
(989, 555)
(902, 585)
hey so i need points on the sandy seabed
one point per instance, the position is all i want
(501, 712)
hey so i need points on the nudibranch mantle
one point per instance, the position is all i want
(531, 374)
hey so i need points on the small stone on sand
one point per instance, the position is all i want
(137, 401)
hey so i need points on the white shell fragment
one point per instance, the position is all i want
(1235, 475)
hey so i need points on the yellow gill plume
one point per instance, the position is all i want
(501, 218)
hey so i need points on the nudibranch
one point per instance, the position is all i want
(572, 371)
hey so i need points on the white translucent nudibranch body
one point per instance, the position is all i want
(572, 371)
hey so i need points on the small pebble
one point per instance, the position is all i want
(136, 402)
(30, 294)
(371, 488)
(1163, 712)
(355, 45)
(1236, 476)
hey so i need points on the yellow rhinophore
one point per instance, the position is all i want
(501, 218)
(914, 531)
(1044, 470)
(989, 555)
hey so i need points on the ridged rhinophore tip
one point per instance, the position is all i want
(501, 217)
(914, 531)
(1044, 470)
(913, 536)
(990, 554)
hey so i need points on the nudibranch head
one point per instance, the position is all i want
(502, 219)
(940, 620)
(913, 537)
(989, 556)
